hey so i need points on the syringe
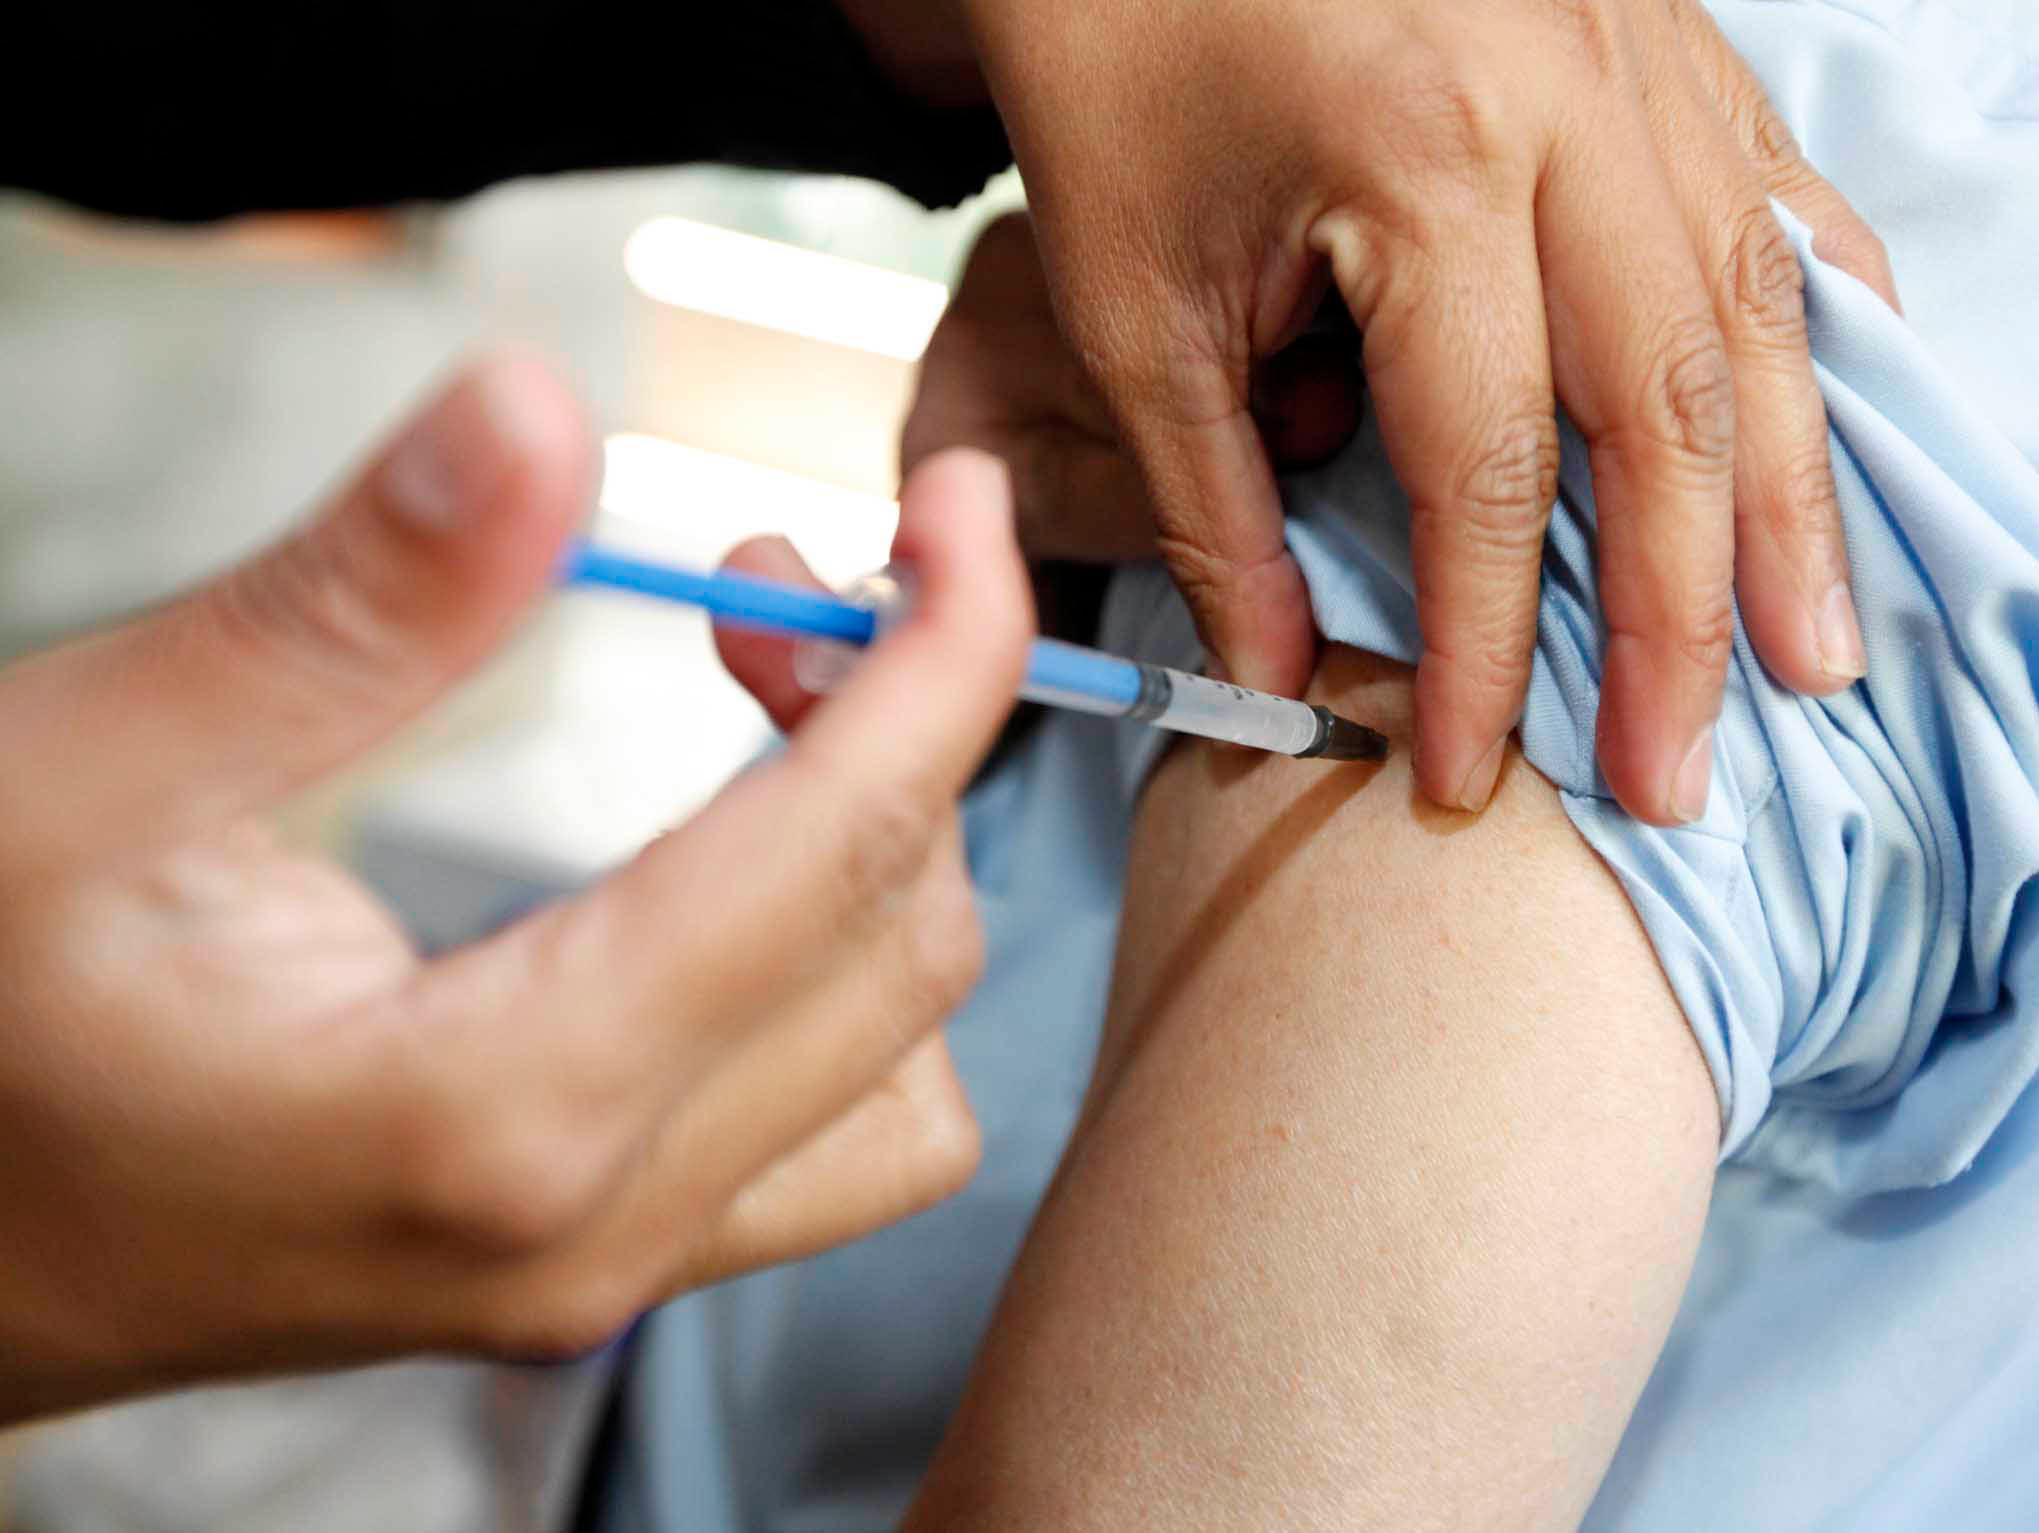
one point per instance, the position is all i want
(1058, 674)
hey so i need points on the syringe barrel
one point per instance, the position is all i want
(1069, 676)
(1217, 710)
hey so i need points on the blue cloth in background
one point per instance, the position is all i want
(1848, 928)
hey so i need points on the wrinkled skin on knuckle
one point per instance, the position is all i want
(1844, 240)
(1505, 491)
(886, 842)
(512, 1180)
(1688, 402)
(306, 604)
(1588, 30)
(1215, 585)
(1447, 120)
(1764, 281)
(1802, 511)
(1704, 627)
(1199, 573)
(1143, 295)
(1173, 367)
(1484, 653)
(1756, 124)
(1490, 663)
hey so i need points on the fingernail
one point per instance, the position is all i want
(1840, 636)
(1695, 775)
(1478, 789)
(773, 557)
(446, 467)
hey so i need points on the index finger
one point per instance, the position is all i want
(1218, 516)
(1457, 355)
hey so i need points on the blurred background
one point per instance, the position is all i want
(171, 400)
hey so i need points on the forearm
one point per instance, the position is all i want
(198, 114)
(1388, 1185)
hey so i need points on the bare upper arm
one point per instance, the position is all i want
(1391, 1175)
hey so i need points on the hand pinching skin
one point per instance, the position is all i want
(1523, 203)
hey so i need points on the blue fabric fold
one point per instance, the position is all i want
(1847, 925)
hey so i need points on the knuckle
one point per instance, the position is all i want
(1491, 664)
(509, 1185)
(572, 1316)
(1506, 489)
(308, 605)
(1700, 631)
(1199, 572)
(1689, 391)
(1763, 133)
(1804, 506)
(1457, 125)
(1214, 579)
(1763, 279)
(886, 842)
(1159, 358)
(1585, 26)
(1706, 632)
(1210, 580)
(530, 1195)
(1179, 387)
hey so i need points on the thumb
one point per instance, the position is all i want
(225, 701)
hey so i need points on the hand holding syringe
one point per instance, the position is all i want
(1058, 674)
